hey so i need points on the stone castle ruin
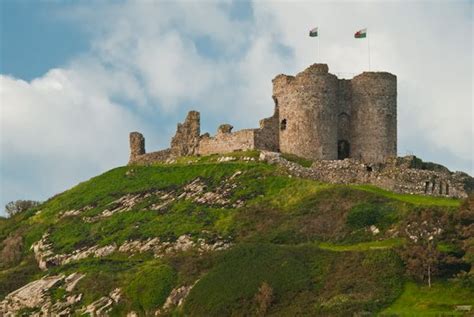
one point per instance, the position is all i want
(334, 122)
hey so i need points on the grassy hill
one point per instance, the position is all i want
(243, 238)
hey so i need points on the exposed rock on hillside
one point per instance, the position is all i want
(46, 258)
(35, 297)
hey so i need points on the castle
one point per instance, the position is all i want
(324, 119)
(317, 116)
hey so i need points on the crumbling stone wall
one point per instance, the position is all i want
(137, 145)
(153, 157)
(400, 175)
(268, 136)
(138, 154)
(186, 140)
(227, 141)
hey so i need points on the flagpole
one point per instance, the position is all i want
(368, 46)
(317, 48)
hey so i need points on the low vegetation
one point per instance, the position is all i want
(298, 247)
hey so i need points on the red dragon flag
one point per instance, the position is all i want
(313, 32)
(361, 34)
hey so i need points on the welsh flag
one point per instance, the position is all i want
(313, 32)
(361, 34)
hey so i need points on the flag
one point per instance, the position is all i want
(313, 32)
(361, 34)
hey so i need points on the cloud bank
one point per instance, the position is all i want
(151, 62)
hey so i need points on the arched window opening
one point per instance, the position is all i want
(283, 125)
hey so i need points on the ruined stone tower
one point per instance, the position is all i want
(307, 107)
(137, 145)
(322, 117)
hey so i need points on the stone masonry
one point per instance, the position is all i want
(318, 117)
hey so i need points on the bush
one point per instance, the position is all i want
(366, 214)
(150, 286)
(11, 250)
(15, 207)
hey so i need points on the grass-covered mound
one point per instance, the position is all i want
(297, 247)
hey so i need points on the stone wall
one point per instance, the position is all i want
(138, 154)
(400, 175)
(268, 136)
(150, 158)
(227, 141)
(137, 145)
(186, 140)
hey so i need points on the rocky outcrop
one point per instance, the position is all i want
(46, 258)
(103, 305)
(43, 250)
(176, 298)
(35, 297)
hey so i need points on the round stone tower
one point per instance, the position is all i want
(307, 105)
(374, 116)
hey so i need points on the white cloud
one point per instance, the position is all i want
(61, 128)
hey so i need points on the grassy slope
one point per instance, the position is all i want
(440, 300)
(292, 234)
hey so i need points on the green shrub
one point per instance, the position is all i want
(150, 286)
(367, 214)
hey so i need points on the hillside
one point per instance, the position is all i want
(233, 236)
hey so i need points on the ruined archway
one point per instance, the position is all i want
(343, 149)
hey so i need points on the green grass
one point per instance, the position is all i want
(439, 300)
(363, 246)
(296, 159)
(412, 199)
(149, 287)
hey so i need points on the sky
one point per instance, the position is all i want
(77, 76)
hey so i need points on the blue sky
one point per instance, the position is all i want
(78, 76)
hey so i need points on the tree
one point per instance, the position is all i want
(422, 260)
(15, 207)
(425, 230)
